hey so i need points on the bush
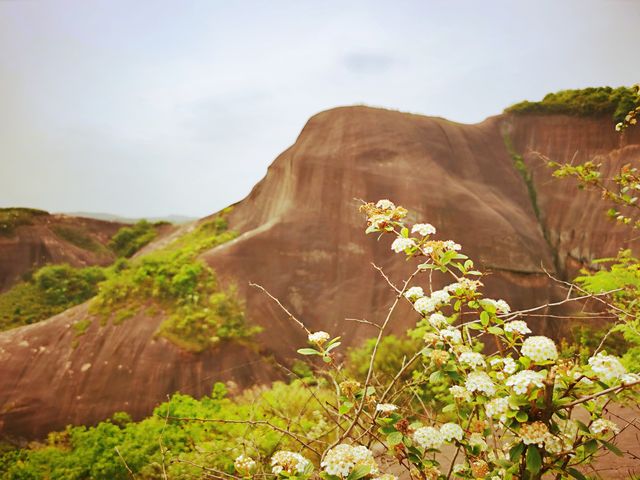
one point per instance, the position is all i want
(128, 240)
(51, 290)
(616, 102)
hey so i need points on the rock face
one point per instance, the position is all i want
(302, 238)
(50, 239)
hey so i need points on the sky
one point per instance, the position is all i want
(155, 107)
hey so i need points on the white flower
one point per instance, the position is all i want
(441, 296)
(497, 408)
(521, 381)
(244, 465)
(385, 407)
(451, 245)
(428, 437)
(424, 305)
(450, 431)
(400, 244)
(500, 305)
(451, 334)
(509, 365)
(460, 393)
(533, 433)
(437, 320)
(607, 367)
(414, 293)
(385, 204)
(289, 462)
(517, 326)
(319, 337)
(480, 382)
(539, 349)
(628, 378)
(553, 444)
(473, 359)
(343, 458)
(423, 229)
(602, 425)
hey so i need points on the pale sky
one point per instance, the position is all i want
(147, 108)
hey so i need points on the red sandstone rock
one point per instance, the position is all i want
(303, 239)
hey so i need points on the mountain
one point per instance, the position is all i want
(299, 235)
(31, 238)
(109, 217)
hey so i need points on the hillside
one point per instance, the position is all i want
(31, 238)
(300, 236)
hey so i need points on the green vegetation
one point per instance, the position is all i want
(90, 453)
(77, 236)
(584, 102)
(11, 218)
(51, 290)
(521, 167)
(128, 240)
(199, 314)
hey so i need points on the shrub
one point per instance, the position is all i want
(616, 102)
(51, 290)
(128, 240)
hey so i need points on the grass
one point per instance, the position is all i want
(78, 236)
(616, 102)
(12, 218)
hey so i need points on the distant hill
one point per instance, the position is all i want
(176, 219)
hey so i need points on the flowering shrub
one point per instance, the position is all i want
(512, 413)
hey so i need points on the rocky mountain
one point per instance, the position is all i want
(31, 238)
(302, 238)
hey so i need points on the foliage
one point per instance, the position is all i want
(51, 290)
(584, 102)
(128, 240)
(199, 313)
(82, 453)
(78, 236)
(11, 218)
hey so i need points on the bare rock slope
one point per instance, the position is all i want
(302, 238)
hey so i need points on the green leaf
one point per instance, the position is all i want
(516, 452)
(359, 472)
(576, 474)
(495, 330)
(484, 319)
(534, 460)
(590, 447)
(611, 447)
(404, 232)
(332, 346)
(522, 416)
(394, 438)
(345, 407)
(308, 351)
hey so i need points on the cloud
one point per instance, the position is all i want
(368, 63)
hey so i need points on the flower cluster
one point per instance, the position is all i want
(603, 426)
(522, 381)
(607, 367)
(539, 349)
(319, 338)
(244, 465)
(343, 458)
(480, 382)
(428, 437)
(517, 326)
(289, 462)
(386, 407)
